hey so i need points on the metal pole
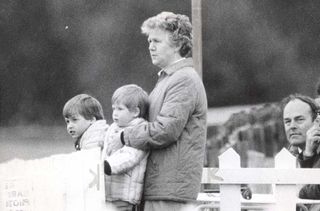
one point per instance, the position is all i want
(197, 35)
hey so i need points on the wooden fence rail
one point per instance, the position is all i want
(284, 177)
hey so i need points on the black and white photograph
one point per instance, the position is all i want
(159, 105)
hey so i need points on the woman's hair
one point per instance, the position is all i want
(85, 105)
(132, 96)
(177, 25)
(306, 99)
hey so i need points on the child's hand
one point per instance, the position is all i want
(246, 193)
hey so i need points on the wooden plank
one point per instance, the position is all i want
(257, 199)
(285, 176)
(229, 193)
(260, 176)
(285, 194)
(197, 35)
(282, 175)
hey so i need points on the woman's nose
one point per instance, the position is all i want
(151, 46)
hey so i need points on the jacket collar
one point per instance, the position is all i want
(187, 62)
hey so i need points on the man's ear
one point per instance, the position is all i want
(136, 112)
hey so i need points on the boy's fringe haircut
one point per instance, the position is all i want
(85, 105)
(132, 96)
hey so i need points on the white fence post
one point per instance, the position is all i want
(285, 194)
(285, 177)
(230, 194)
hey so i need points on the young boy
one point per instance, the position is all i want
(85, 121)
(86, 124)
(125, 166)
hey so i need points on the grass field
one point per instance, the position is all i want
(33, 141)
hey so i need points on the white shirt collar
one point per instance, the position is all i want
(159, 73)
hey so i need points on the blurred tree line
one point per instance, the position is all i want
(51, 50)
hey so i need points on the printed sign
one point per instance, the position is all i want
(65, 182)
(16, 195)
